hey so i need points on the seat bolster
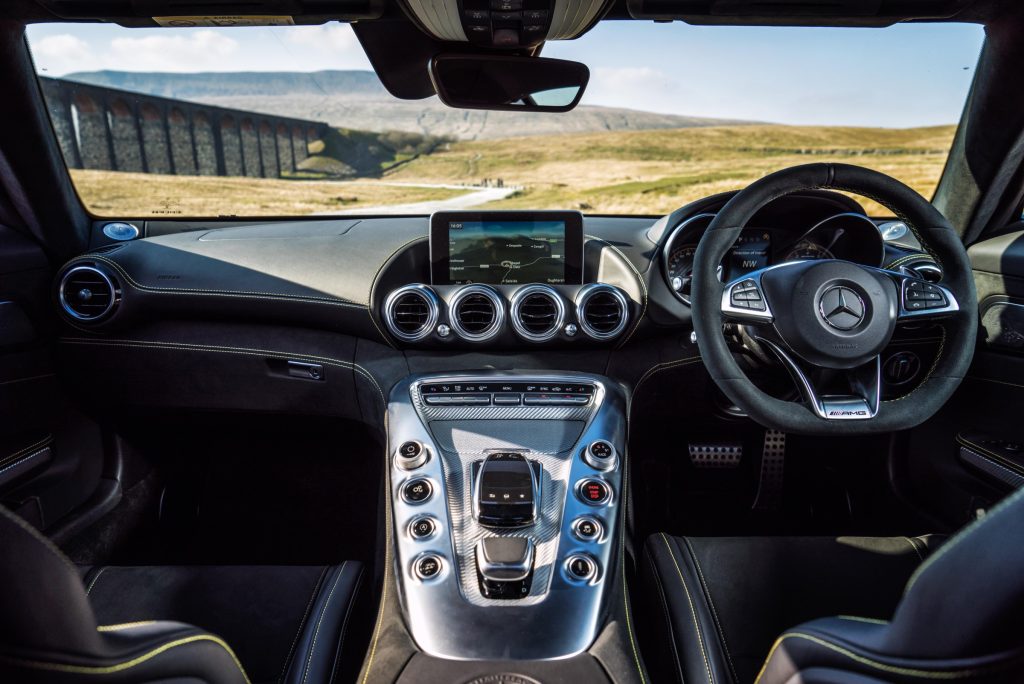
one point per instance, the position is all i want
(853, 650)
(134, 652)
(320, 642)
(695, 647)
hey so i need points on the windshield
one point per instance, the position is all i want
(292, 120)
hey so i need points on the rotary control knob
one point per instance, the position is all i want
(600, 454)
(581, 567)
(411, 455)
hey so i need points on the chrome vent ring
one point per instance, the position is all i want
(537, 312)
(87, 293)
(602, 311)
(476, 313)
(411, 312)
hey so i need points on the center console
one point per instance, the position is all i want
(507, 494)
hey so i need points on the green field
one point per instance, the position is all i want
(637, 172)
(654, 172)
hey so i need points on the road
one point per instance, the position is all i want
(473, 197)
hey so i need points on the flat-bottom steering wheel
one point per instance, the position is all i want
(834, 314)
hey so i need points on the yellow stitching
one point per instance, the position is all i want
(125, 625)
(320, 620)
(913, 545)
(120, 667)
(95, 579)
(244, 351)
(387, 569)
(625, 587)
(22, 461)
(869, 621)
(665, 611)
(693, 612)
(907, 258)
(38, 536)
(244, 294)
(45, 441)
(892, 669)
(1000, 460)
(302, 623)
(640, 279)
(718, 624)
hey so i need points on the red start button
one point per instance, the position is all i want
(594, 491)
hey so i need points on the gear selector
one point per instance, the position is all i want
(506, 490)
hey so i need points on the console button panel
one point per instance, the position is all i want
(462, 608)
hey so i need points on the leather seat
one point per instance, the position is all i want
(140, 624)
(847, 609)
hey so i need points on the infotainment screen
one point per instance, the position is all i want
(506, 248)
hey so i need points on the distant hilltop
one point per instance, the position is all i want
(358, 100)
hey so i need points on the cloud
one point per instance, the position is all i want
(335, 41)
(61, 53)
(202, 50)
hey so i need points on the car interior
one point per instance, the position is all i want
(767, 436)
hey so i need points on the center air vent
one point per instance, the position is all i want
(411, 312)
(602, 311)
(88, 294)
(477, 313)
(537, 313)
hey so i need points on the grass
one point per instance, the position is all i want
(635, 172)
(110, 193)
(653, 172)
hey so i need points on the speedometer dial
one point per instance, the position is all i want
(680, 270)
(806, 249)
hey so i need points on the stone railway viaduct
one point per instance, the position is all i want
(118, 130)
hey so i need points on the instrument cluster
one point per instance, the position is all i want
(846, 236)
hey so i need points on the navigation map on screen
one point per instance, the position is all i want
(506, 252)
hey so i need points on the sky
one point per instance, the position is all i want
(902, 76)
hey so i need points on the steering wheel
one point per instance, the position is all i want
(833, 318)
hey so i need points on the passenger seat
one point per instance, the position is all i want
(235, 624)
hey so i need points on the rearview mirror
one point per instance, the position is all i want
(505, 82)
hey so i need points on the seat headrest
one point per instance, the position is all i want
(43, 602)
(967, 599)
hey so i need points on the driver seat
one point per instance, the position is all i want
(905, 609)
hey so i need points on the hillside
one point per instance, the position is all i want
(357, 100)
(654, 172)
(645, 172)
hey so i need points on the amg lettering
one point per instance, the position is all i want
(847, 412)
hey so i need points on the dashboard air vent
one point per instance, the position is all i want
(411, 312)
(602, 311)
(537, 313)
(87, 294)
(477, 312)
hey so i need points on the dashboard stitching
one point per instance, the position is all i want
(215, 293)
(243, 351)
(45, 441)
(640, 279)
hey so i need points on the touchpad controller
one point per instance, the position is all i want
(506, 490)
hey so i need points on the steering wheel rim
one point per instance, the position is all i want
(936, 236)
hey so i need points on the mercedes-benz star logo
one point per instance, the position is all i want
(841, 307)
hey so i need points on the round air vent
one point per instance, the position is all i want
(411, 312)
(537, 312)
(602, 311)
(88, 294)
(477, 313)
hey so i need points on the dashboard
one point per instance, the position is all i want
(453, 282)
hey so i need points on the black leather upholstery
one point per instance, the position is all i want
(958, 615)
(139, 624)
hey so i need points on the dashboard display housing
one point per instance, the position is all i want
(568, 223)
